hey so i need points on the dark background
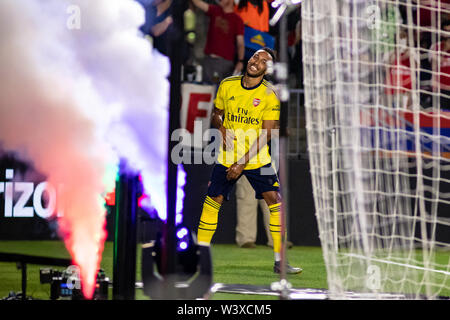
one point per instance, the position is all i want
(301, 223)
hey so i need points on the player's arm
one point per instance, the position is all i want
(240, 44)
(227, 135)
(269, 131)
(217, 118)
(202, 5)
(159, 28)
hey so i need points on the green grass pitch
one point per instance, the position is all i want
(232, 265)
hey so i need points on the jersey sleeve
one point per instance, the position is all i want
(219, 100)
(272, 109)
(213, 10)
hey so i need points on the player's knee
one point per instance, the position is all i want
(271, 197)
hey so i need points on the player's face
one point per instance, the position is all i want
(257, 65)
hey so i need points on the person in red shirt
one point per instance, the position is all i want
(427, 11)
(399, 75)
(440, 61)
(224, 42)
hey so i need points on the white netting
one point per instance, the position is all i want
(377, 90)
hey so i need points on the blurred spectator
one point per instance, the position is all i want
(399, 73)
(440, 62)
(255, 15)
(158, 23)
(247, 227)
(191, 68)
(224, 43)
(160, 27)
(247, 214)
(425, 12)
(425, 70)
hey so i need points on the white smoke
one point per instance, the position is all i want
(81, 88)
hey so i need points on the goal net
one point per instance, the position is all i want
(377, 101)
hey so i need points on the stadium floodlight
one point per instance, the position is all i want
(277, 3)
(284, 6)
(378, 141)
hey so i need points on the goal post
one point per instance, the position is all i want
(377, 105)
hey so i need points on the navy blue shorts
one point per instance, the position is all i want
(262, 180)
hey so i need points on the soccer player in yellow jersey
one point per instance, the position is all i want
(247, 112)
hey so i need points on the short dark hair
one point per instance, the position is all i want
(271, 52)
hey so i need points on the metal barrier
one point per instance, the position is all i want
(296, 125)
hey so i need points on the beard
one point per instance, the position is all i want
(256, 74)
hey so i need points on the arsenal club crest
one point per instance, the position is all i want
(256, 102)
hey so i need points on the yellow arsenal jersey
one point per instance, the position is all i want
(244, 111)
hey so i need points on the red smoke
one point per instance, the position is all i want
(40, 120)
(72, 101)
